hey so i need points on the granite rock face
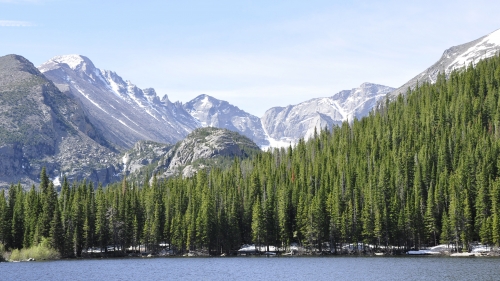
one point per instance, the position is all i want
(143, 154)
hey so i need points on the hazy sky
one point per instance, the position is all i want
(254, 54)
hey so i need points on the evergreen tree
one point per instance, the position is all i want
(56, 231)
(3, 218)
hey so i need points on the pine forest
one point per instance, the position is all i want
(421, 170)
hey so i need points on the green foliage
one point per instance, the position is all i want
(42, 251)
(2, 252)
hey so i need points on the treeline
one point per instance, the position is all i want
(422, 170)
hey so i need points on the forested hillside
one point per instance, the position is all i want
(421, 172)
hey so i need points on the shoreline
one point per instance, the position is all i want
(264, 255)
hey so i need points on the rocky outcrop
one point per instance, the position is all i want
(204, 148)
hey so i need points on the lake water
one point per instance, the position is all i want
(258, 268)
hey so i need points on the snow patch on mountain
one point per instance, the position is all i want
(72, 61)
(88, 98)
(274, 143)
(481, 50)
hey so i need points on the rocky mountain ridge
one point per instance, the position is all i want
(123, 112)
(84, 122)
(126, 114)
(286, 125)
(42, 126)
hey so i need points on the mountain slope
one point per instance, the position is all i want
(211, 112)
(455, 58)
(124, 113)
(41, 126)
(289, 124)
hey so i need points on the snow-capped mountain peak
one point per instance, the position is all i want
(122, 111)
(485, 48)
(126, 113)
(455, 58)
(206, 102)
(72, 61)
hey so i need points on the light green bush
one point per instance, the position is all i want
(2, 252)
(14, 255)
(42, 251)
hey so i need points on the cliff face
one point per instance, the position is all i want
(41, 126)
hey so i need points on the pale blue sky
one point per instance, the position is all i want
(254, 54)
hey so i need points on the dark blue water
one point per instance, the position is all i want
(258, 268)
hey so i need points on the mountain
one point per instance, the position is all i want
(211, 112)
(286, 125)
(120, 110)
(204, 148)
(41, 126)
(126, 114)
(455, 58)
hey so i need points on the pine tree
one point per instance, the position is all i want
(48, 201)
(3, 218)
(257, 223)
(17, 223)
(101, 229)
(32, 210)
(56, 231)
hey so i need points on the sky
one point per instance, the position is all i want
(253, 54)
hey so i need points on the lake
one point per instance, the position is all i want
(258, 268)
